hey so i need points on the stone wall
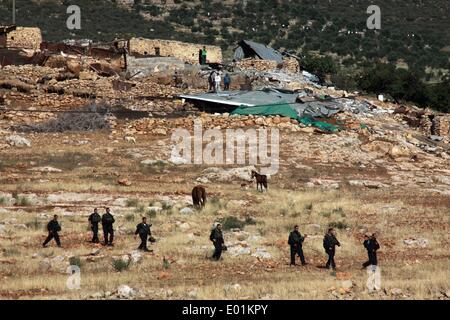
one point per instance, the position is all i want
(442, 125)
(289, 65)
(146, 66)
(167, 48)
(256, 64)
(28, 38)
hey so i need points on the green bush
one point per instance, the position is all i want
(341, 225)
(8, 252)
(3, 201)
(75, 261)
(132, 202)
(129, 217)
(120, 265)
(231, 222)
(23, 201)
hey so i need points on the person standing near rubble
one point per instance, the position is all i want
(204, 55)
(211, 80)
(329, 244)
(295, 241)
(108, 230)
(53, 227)
(217, 80)
(226, 82)
(217, 239)
(143, 230)
(94, 219)
(371, 244)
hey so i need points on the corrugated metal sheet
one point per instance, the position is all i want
(249, 49)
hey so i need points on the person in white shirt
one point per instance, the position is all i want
(217, 80)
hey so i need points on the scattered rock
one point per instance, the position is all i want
(136, 256)
(18, 141)
(124, 182)
(262, 253)
(2, 230)
(125, 292)
(419, 242)
(396, 291)
(45, 170)
(187, 210)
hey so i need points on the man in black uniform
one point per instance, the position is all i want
(296, 242)
(53, 228)
(329, 244)
(217, 238)
(371, 244)
(143, 230)
(94, 220)
(107, 224)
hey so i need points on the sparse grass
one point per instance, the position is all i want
(9, 252)
(23, 201)
(428, 267)
(34, 224)
(3, 201)
(140, 208)
(133, 202)
(341, 225)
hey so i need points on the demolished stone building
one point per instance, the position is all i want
(188, 52)
(20, 37)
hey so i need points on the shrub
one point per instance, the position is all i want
(75, 261)
(325, 214)
(151, 213)
(309, 206)
(140, 209)
(129, 217)
(121, 265)
(338, 225)
(3, 200)
(132, 202)
(8, 252)
(23, 201)
(231, 222)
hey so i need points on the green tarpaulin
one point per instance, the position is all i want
(284, 110)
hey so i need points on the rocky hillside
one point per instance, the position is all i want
(413, 34)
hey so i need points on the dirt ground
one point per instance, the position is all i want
(312, 188)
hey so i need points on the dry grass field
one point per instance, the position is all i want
(311, 189)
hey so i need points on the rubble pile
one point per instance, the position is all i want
(291, 65)
(256, 64)
(164, 126)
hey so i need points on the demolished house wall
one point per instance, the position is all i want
(441, 125)
(185, 51)
(27, 38)
(290, 65)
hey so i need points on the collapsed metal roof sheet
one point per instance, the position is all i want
(248, 49)
(271, 96)
(246, 98)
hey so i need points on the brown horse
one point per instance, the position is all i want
(261, 180)
(199, 196)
